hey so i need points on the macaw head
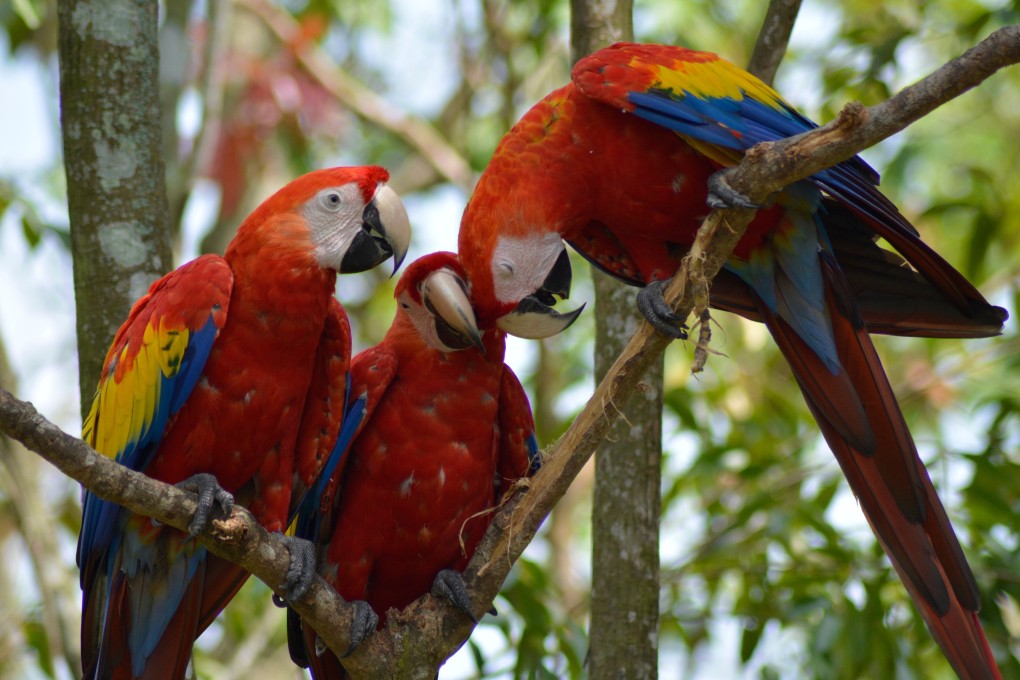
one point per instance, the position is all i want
(433, 293)
(517, 270)
(344, 219)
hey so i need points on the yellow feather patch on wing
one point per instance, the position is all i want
(714, 80)
(130, 394)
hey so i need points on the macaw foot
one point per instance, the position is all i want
(363, 623)
(300, 573)
(653, 307)
(722, 195)
(210, 494)
(449, 584)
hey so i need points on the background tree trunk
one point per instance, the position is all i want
(624, 630)
(110, 122)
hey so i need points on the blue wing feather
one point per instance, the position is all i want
(307, 513)
(99, 517)
(739, 125)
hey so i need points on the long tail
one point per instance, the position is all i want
(129, 631)
(862, 423)
(921, 296)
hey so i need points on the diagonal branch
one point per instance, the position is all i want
(238, 538)
(417, 640)
(764, 170)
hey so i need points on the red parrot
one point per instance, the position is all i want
(443, 430)
(621, 163)
(228, 378)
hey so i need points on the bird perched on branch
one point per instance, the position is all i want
(228, 379)
(441, 430)
(622, 164)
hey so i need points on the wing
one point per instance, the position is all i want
(518, 451)
(370, 375)
(892, 297)
(319, 442)
(719, 108)
(721, 111)
(155, 361)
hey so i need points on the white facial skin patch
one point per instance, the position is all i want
(520, 265)
(334, 217)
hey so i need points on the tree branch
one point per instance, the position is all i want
(773, 39)
(765, 169)
(420, 638)
(238, 538)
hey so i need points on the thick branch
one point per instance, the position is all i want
(367, 104)
(238, 538)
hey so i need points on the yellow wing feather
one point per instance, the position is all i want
(129, 396)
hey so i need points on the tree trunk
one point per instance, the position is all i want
(625, 515)
(116, 195)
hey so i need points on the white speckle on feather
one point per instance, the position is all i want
(405, 486)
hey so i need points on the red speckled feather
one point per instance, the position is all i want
(266, 398)
(444, 435)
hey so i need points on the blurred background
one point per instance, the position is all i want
(768, 569)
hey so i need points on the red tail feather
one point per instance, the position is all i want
(890, 483)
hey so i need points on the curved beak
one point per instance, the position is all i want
(445, 295)
(385, 232)
(534, 318)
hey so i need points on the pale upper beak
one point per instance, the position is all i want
(444, 294)
(385, 232)
(534, 318)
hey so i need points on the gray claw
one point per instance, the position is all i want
(210, 494)
(363, 624)
(722, 195)
(300, 573)
(450, 584)
(653, 307)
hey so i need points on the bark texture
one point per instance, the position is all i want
(624, 629)
(110, 121)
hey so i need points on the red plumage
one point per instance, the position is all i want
(618, 165)
(234, 367)
(445, 432)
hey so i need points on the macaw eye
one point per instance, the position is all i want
(506, 268)
(331, 200)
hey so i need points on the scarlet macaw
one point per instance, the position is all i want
(620, 164)
(444, 429)
(230, 370)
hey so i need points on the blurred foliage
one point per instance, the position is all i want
(768, 568)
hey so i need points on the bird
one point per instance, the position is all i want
(228, 379)
(623, 162)
(441, 431)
